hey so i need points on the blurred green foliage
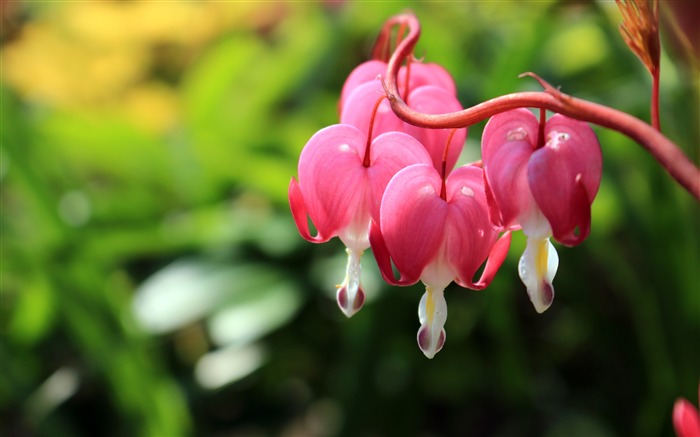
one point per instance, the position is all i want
(153, 283)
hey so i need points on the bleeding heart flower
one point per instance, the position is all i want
(419, 74)
(342, 177)
(686, 418)
(436, 231)
(543, 181)
(428, 99)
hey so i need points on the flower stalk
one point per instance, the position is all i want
(666, 153)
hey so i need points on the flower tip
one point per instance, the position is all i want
(544, 298)
(430, 342)
(537, 268)
(350, 295)
(432, 313)
(350, 300)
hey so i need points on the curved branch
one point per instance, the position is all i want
(668, 154)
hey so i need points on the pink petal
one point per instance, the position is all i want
(506, 171)
(496, 257)
(583, 149)
(389, 153)
(412, 219)
(358, 107)
(686, 420)
(382, 256)
(365, 72)
(300, 214)
(508, 141)
(494, 210)
(564, 176)
(332, 179)
(502, 129)
(429, 74)
(469, 234)
(432, 99)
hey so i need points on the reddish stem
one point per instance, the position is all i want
(540, 131)
(655, 121)
(443, 173)
(668, 154)
(400, 33)
(407, 79)
(382, 50)
(365, 160)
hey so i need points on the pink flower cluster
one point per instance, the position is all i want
(375, 181)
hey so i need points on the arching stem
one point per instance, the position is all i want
(668, 154)
(408, 78)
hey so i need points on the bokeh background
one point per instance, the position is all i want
(153, 282)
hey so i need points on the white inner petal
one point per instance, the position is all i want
(438, 272)
(534, 224)
(432, 313)
(537, 268)
(350, 294)
(353, 272)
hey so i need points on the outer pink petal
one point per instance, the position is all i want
(469, 234)
(584, 149)
(564, 176)
(412, 219)
(391, 152)
(365, 72)
(383, 257)
(686, 419)
(506, 171)
(432, 99)
(358, 107)
(516, 125)
(494, 209)
(498, 254)
(429, 74)
(508, 141)
(300, 214)
(332, 179)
